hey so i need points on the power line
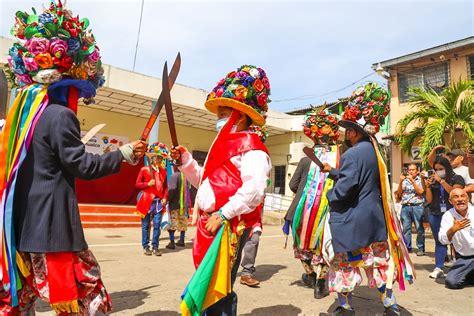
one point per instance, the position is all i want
(306, 97)
(138, 35)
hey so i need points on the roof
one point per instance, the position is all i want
(331, 106)
(467, 42)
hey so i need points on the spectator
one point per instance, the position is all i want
(456, 157)
(179, 204)
(457, 229)
(411, 190)
(438, 188)
(152, 181)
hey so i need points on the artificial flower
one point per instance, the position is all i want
(266, 83)
(37, 45)
(90, 67)
(63, 64)
(262, 99)
(30, 63)
(258, 85)
(94, 56)
(78, 73)
(44, 60)
(25, 79)
(73, 46)
(254, 73)
(58, 47)
(88, 38)
(240, 92)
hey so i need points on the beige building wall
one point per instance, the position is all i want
(458, 69)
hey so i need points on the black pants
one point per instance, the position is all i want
(228, 305)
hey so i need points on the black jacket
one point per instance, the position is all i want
(357, 218)
(45, 210)
(297, 183)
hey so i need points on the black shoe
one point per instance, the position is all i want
(309, 279)
(147, 251)
(340, 311)
(320, 290)
(170, 245)
(391, 311)
(180, 243)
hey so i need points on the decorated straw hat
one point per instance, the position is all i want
(261, 131)
(367, 108)
(321, 126)
(158, 149)
(53, 45)
(245, 90)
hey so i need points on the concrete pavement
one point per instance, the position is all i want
(141, 285)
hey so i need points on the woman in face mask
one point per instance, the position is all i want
(443, 181)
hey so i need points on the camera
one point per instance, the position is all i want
(405, 171)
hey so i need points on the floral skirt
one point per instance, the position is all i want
(178, 222)
(345, 274)
(90, 291)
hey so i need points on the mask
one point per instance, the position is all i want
(348, 143)
(441, 174)
(220, 123)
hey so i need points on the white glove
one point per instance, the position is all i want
(127, 153)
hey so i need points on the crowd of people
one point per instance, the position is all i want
(424, 196)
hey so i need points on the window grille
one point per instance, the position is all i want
(435, 77)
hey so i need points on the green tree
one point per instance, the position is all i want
(434, 114)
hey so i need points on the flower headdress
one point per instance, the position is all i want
(245, 90)
(368, 106)
(158, 149)
(321, 127)
(261, 131)
(51, 46)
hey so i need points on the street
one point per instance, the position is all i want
(141, 285)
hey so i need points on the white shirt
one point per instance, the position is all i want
(254, 166)
(463, 171)
(463, 240)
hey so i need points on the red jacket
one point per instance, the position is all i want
(160, 189)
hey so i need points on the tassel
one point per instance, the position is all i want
(66, 307)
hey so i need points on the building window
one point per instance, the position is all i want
(279, 180)
(470, 67)
(435, 77)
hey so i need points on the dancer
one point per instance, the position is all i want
(309, 209)
(45, 255)
(366, 232)
(231, 189)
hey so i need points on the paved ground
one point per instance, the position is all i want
(141, 285)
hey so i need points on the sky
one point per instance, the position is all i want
(312, 51)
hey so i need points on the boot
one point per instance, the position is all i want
(309, 279)
(249, 280)
(180, 243)
(320, 290)
(171, 245)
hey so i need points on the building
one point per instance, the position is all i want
(124, 105)
(436, 67)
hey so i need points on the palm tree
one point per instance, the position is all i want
(434, 114)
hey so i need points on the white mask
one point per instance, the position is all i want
(221, 123)
(441, 173)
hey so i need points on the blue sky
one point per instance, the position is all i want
(308, 48)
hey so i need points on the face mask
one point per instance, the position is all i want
(220, 123)
(441, 174)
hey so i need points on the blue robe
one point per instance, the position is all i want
(357, 218)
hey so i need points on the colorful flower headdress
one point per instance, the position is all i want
(245, 90)
(321, 127)
(51, 46)
(158, 149)
(261, 131)
(368, 106)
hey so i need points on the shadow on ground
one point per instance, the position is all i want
(280, 310)
(266, 271)
(161, 313)
(366, 301)
(130, 299)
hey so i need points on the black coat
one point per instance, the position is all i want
(357, 218)
(45, 210)
(297, 184)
